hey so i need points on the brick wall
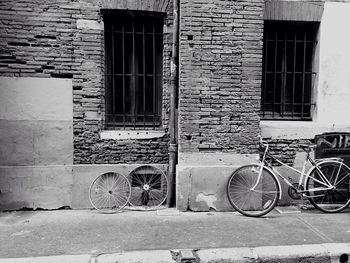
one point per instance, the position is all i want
(64, 39)
(220, 75)
(285, 150)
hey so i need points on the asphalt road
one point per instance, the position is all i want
(72, 232)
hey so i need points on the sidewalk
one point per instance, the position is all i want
(169, 236)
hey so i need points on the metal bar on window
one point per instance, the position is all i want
(123, 70)
(144, 73)
(154, 73)
(112, 76)
(284, 76)
(303, 89)
(274, 77)
(294, 65)
(265, 72)
(135, 89)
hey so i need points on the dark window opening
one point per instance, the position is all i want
(134, 64)
(288, 73)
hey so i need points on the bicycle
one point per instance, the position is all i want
(254, 190)
(145, 188)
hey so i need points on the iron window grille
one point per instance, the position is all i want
(134, 63)
(288, 75)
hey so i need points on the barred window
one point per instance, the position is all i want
(288, 72)
(133, 51)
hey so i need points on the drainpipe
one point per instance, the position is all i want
(173, 98)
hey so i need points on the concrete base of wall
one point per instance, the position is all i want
(48, 187)
(201, 180)
(202, 188)
(201, 185)
(52, 187)
(83, 176)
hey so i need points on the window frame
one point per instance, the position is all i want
(136, 100)
(307, 99)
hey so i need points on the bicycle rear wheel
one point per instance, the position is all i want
(249, 202)
(109, 192)
(332, 200)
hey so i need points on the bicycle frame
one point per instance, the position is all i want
(302, 175)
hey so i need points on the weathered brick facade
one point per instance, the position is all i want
(220, 75)
(65, 39)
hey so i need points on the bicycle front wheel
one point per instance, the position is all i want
(248, 201)
(109, 192)
(329, 200)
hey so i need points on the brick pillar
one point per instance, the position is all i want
(220, 75)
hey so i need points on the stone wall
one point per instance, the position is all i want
(220, 75)
(64, 39)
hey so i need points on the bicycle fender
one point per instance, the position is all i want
(278, 181)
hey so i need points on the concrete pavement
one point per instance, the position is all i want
(285, 235)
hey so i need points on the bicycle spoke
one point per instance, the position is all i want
(341, 180)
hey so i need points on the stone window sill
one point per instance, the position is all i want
(131, 134)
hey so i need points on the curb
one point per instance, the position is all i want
(320, 253)
(49, 259)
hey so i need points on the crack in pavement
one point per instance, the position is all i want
(319, 233)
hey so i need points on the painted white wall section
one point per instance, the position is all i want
(36, 99)
(333, 87)
(333, 100)
(299, 129)
(36, 121)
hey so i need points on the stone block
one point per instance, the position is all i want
(36, 142)
(202, 188)
(16, 143)
(36, 99)
(89, 24)
(46, 187)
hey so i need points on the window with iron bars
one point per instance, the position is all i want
(288, 71)
(134, 63)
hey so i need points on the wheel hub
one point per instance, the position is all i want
(146, 187)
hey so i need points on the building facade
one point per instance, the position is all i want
(86, 88)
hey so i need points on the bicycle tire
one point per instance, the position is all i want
(333, 200)
(149, 187)
(109, 192)
(249, 202)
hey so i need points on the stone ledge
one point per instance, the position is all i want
(131, 135)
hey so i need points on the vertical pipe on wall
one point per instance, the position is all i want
(173, 98)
